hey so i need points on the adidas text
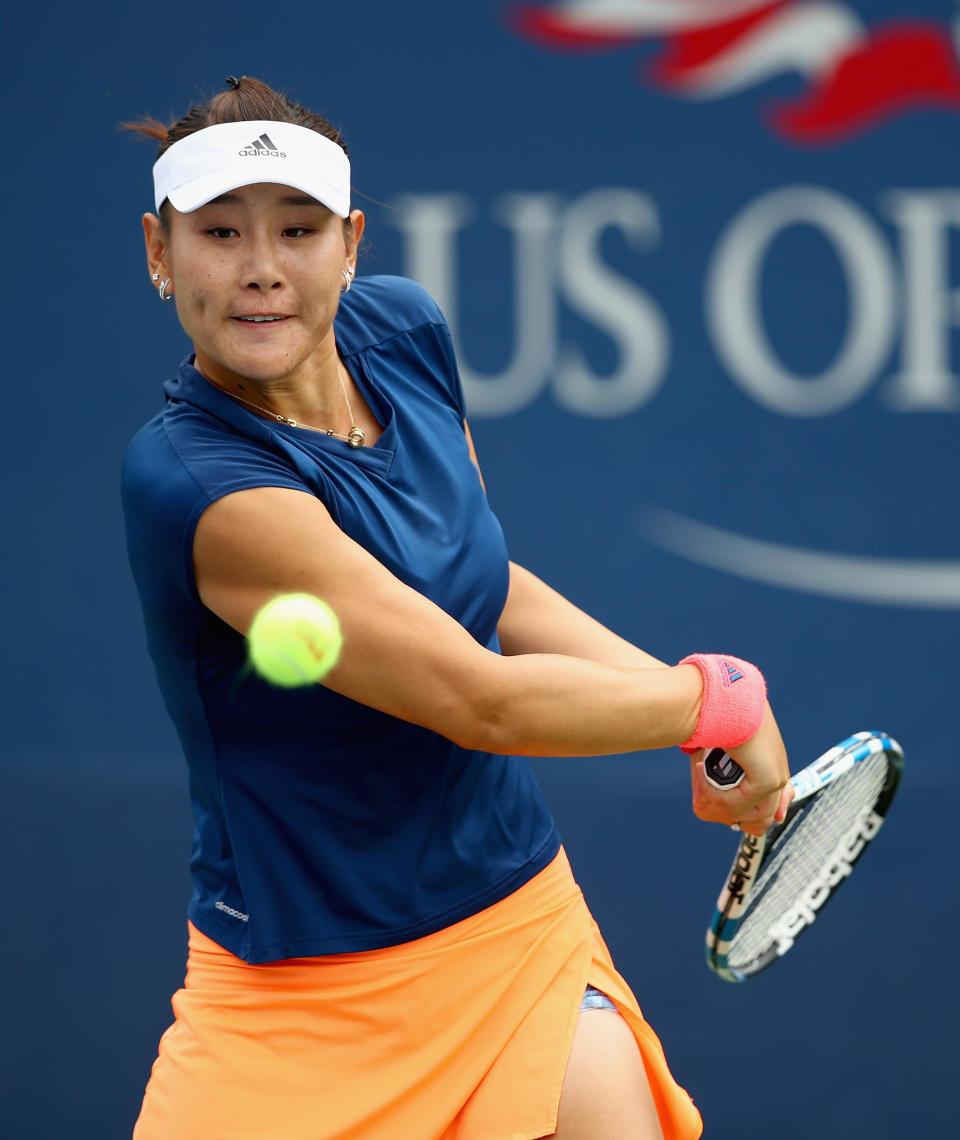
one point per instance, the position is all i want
(264, 145)
(229, 910)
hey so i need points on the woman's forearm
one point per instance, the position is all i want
(552, 705)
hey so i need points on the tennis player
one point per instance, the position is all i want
(385, 938)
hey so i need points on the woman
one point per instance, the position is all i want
(385, 937)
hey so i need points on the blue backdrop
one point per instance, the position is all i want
(700, 262)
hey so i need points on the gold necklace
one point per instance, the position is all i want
(355, 437)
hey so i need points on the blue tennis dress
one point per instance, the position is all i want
(321, 825)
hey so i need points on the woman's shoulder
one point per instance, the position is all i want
(382, 306)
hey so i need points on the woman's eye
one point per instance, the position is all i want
(296, 231)
(221, 232)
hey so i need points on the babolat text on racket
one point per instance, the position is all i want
(780, 881)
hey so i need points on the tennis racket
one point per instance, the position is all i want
(780, 881)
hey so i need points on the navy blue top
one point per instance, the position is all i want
(322, 825)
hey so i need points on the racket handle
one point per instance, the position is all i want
(721, 771)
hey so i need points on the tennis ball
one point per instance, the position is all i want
(294, 640)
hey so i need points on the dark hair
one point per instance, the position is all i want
(248, 99)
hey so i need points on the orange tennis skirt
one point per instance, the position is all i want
(462, 1035)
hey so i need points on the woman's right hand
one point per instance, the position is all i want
(763, 795)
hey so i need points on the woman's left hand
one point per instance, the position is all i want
(765, 792)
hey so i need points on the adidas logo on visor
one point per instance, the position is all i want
(264, 146)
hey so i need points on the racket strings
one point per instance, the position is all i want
(810, 855)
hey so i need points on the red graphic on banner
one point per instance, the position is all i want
(856, 77)
(901, 68)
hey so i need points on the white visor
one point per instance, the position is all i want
(209, 162)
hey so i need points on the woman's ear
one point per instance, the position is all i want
(155, 239)
(355, 230)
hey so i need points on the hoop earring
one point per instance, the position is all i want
(347, 280)
(164, 295)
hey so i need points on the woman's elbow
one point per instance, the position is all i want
(480, 718)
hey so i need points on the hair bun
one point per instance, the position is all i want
(233, 82)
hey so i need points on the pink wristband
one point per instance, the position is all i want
(733, 704)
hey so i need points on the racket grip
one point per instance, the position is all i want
(721, 771)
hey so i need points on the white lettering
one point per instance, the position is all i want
(925, 381)
(430, 223)
(220, 905)
(556, 258)
(734, 313)
(804, 910)
(613, 303)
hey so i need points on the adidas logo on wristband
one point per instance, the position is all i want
(730, 713)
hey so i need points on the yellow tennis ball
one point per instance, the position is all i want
(294, 640)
